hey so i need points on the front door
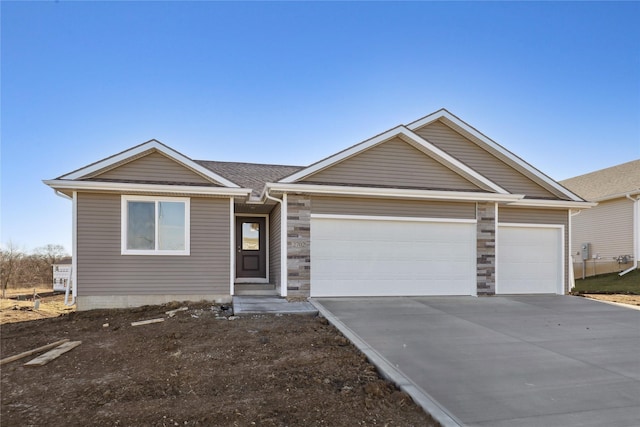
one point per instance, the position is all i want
(251, 248)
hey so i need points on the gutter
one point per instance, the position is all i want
(636, 231)
(391, 192)
(120, 187)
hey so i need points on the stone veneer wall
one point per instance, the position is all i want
(298, 245)
(486, 248)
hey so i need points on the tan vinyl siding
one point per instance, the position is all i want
(394, 163)
(540, 216)
(386, 207)
(481, 160)
(153, 167)
(102, 270)
(274, 245)
(608, 227)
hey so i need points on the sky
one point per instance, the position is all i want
(557, 83)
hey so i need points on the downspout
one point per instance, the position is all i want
(636, 238)
(572, 276)
(74, 252)
(283, 240)
(72, 281)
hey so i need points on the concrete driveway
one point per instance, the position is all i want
(504, 361)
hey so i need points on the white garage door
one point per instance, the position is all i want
(529, 260)
(382, 257)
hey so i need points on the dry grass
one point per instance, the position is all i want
(619, 298)
(13, 310)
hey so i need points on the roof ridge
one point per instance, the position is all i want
(601, 170)
(250, 163)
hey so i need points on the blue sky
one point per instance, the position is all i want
(292, 82)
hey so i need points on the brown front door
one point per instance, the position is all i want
(251, 248)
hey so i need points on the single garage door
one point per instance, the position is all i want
(529, 259)
(392, 257)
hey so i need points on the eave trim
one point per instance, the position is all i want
(60, 184)
(538, 203)
(338, 190)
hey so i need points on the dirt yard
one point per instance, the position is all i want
(196, 368)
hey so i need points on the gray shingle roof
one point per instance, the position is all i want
(250, 175)
(606, 182)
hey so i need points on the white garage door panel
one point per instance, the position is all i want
(529, 260)
(387, 258)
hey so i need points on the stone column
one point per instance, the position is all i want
(486, 248)
(298, 245)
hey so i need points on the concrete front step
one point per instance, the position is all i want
(243, 305)
(256, 289)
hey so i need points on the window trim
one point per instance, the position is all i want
(156, 199)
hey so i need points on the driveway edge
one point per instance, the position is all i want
(389, 372)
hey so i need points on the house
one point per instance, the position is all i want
(61, 274)
(430, 208)
(606, 238)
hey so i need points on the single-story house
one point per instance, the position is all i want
(430, 208)
(606, 238)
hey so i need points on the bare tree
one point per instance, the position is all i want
(11, 256)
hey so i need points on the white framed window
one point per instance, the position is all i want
(155, 225)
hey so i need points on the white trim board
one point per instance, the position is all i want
(123, 187)
(392, 218)
(284, 264)
(399, 193)
(232, 246)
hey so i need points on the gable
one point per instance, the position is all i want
(151, 167)
(481, 160)
(393, 163)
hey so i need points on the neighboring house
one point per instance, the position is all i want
(430, 208)
(610, 230)
(62, 274)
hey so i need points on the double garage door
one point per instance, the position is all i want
(353, 256)
(386, 257)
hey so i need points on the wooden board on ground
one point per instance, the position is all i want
(172, 313)
(53, 354)
(34, 351)
(146, 322)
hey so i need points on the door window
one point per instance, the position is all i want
(251, 236)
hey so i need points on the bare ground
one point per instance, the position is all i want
(196, 368)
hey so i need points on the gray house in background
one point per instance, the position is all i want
(429, 208)
(610, 230)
